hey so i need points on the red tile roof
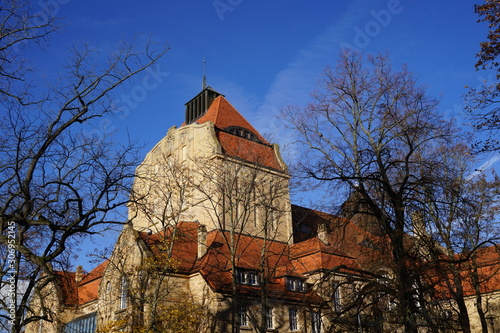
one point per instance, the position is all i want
(281, 260)
(487, 261)
(184, 249)
(345, 236)
(247, 150)
(313, 255)
(252, 253)
(83, 292)
(225, 116)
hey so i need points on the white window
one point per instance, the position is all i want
(243, 315)
(269, 318)
(315, 322)
(252, 279)
(294, 320)
(123, 293)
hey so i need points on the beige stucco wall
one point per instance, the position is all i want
(491, 305)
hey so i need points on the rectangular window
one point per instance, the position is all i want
(295, 284)
(247, 277)
(243, 315)
(183, 153)
(123, 293)
(241, 276)
(269, 319)
(294, 321)
(270, 219)
(315, 322)
(255, 209)
(337, 300)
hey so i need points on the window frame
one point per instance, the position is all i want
(243, 315)
(337, 297)
(315, 322)
(270, 318)
(293, 319)
(294, 283)
(123, 293)
(247, 277)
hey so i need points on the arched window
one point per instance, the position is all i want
(107, 292)
(242, 133)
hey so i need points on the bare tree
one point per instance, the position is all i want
(249, 204)
(20, 29)
(377, 132)
(56, 183)
(482, 102)
(459, 219)
(161, 195)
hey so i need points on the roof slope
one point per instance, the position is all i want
(85, 291)
(224, 115)
(484, 266)
(252, 253)
(238, 138)
(347, 237)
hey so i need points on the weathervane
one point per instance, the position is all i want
(204, 84)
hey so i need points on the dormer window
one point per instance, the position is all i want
(248, 277)
(295, 284)
(242, 133)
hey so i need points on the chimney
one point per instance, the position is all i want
(202, 240)
(79, 274)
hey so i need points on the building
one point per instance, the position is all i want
(213, 244)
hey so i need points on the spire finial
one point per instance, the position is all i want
(204, 84)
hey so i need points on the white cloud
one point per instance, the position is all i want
(294, 84)
(485, 166)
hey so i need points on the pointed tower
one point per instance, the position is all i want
(216, 168)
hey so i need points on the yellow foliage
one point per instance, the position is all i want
(113, 326)
(183, 317)
(160, 262)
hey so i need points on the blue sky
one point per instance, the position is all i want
(264, 55)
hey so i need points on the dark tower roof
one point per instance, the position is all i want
(199, 104)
